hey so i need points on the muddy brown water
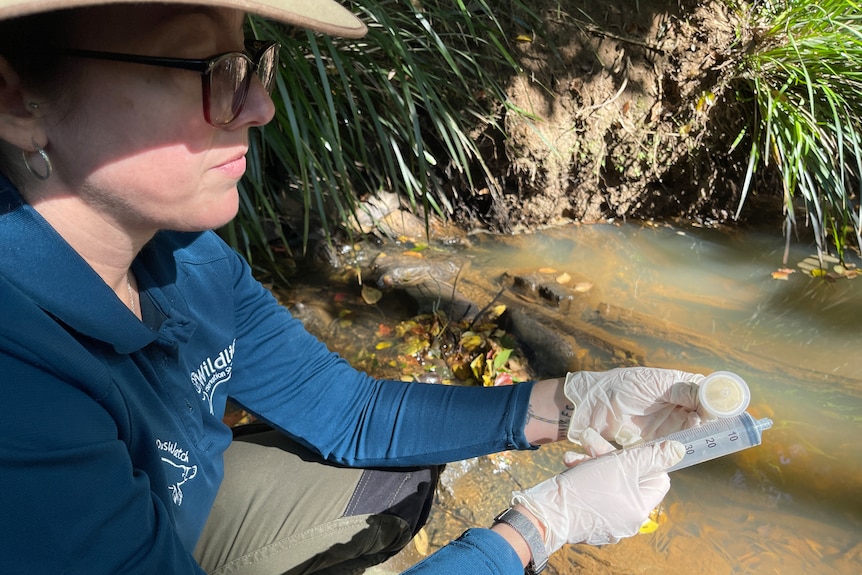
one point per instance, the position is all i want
(792, 505)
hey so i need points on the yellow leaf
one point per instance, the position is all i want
(477, 366)
(706, 100)
(420, 540)
(648, 526)
(383, 345)
(413, 347)
(655, 519)
(371, 295)
(523, 38)
(471, 341)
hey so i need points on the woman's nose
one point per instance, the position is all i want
(258, 109)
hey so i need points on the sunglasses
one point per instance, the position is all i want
(225, 78)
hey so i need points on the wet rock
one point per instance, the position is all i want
(430, 281)
(313, 316)
(561, 290)
(550, 352)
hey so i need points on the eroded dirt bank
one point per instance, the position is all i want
(633, 116)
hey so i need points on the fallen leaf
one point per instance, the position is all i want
(420, 540)
(503, 379)
(782, 273)
(384, 330)
(371, 295)
(501, 358)
(470, 341)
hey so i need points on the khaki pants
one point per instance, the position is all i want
(281, 509)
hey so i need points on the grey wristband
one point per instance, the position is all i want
(526, 529)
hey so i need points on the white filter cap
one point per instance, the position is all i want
(723, 394)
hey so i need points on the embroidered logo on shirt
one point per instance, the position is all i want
(213, 372)
(177, 469)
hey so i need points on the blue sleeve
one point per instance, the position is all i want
(71, 500)
(476, 552)
(314, 396)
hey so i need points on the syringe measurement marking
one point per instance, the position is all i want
(711, 442)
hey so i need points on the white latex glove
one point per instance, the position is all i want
(602, 500)
(629, 404)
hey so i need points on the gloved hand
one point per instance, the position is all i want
(631, 403)
(602, 500)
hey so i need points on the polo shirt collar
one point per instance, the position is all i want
(35, 258)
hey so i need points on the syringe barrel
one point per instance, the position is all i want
(717, 438)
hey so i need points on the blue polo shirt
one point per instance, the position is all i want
(111, 437)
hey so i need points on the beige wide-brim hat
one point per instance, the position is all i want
(325, 16)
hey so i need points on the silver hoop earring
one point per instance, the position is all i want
(49, 169)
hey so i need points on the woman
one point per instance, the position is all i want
(126, 325)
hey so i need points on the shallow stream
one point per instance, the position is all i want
(792, 505)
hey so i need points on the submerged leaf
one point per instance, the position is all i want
(477, 366)
(471, 341)
(371, 295)
(503, 379)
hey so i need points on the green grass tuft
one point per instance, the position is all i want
(805, 76)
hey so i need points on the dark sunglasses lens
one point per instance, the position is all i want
(229, 81)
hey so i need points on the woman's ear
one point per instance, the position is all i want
(20, 120)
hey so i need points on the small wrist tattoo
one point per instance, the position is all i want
(539, 418)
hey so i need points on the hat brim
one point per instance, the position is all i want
(326, 16)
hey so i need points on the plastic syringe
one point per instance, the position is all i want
(717, 438)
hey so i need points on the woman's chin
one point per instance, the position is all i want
(211, 216)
